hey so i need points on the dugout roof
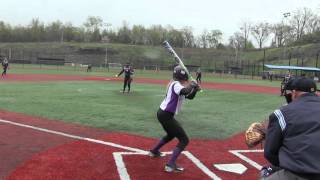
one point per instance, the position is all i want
(292, 67)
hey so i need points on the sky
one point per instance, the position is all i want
(224, 15)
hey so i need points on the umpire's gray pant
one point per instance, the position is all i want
(283, 175)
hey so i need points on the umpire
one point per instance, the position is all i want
(292, 140)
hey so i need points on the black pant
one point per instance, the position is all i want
(127, 82)
(198, 79)
(172, 128)
(4, 70)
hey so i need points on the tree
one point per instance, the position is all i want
(245, 30)
(37, 30)
(313, 24)
(188, 37)
(214, 37)
(20, 34)
(203, 40)
(156, 35)
(69, 32)
(260, 32)
(124, 33)
(237, 41)
(93, 25)
(5, 32)
(299, 21)
(138, 34)
(175, 37)
(54, 31)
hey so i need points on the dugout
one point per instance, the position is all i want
(304, 71)
(192, 68)
(235, 70)
(50, 61)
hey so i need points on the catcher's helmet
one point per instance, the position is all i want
(301, 84)
(180, 74)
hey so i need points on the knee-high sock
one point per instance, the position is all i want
(159, 145)
(176, 152)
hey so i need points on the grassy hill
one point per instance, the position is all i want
(95, 53)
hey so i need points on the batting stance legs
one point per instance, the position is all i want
(127, 82)
(173, 129)
(4, 71)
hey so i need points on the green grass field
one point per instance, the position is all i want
(97, 71)
(212, 114)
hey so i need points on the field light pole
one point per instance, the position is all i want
(285, 16)
(106, 60)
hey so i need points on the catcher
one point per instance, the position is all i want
(291, 141)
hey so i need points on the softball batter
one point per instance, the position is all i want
(178, 89)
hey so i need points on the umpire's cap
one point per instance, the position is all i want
(303, 84)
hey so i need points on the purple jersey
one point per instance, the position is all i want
(173, 101)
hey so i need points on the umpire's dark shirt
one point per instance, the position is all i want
(293, 136)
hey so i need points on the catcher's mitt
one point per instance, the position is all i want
(255, 134)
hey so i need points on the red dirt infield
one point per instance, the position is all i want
(32, 148)
(34, 154)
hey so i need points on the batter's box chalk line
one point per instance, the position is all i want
(246, 159)
(236, 167)
(123, 173)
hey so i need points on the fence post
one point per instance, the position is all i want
(290, 58)
(264, 58)
(253, 69)
(317, 60)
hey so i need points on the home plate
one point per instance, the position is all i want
(235, 168)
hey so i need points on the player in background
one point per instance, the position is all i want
(5, 65)
(128, 73)
(285, 80)
(89, 68)
(198, 76)
(178, 89)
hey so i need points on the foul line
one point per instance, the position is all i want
(75, 136)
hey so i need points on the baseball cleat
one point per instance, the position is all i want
(174, 168)
(156, 155)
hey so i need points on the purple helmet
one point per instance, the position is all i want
(180, 74)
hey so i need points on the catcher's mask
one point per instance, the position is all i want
(302, 84)
(180, 74)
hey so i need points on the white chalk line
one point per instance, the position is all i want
(251, 162)
(74, 136)
(123, 172)
(118, 155)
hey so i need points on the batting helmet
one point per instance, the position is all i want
(180, 74)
